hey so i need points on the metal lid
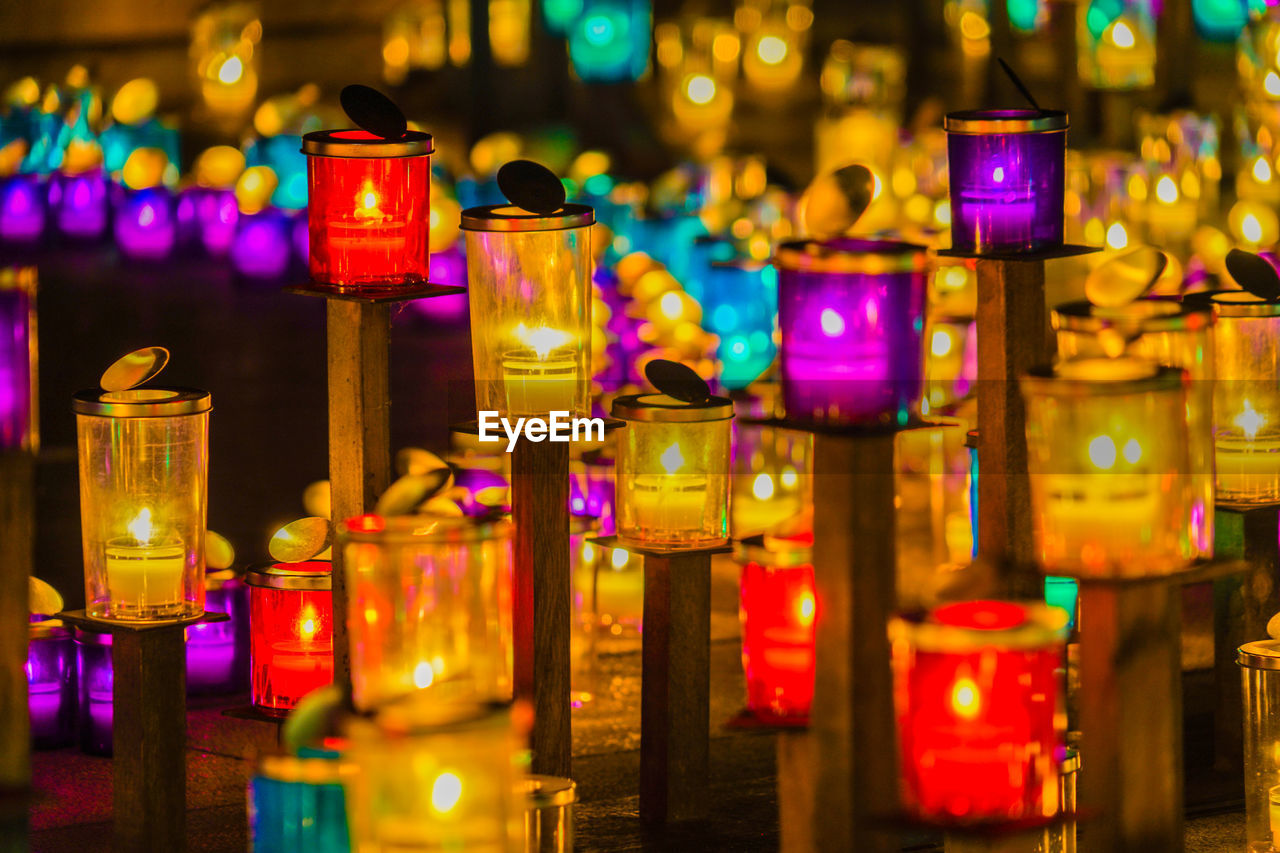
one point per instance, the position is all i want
(550, 791)
(1236, 303)
(508, 217)
(778, 552)
(18, 278)
(47, 629)
(663, 409)
(851, 255)
(309, 770)
(1263, 654)
(308, 575)
(1005, 121)
(1070, 761)
(1096, 377)
(141, 402)
(425, 529)
(92, 638)
(363, 144)
(970, 626)
(1142, 315)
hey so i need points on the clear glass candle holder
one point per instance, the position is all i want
(429, 608)
(673, 471)
(1109, 460)
(52, 686)
(144, 457)
(851, 315)
(1007, 171)
(439, 777)
(1174, 334)
(368, 208)
(978, 707)
(291, 629)
(1246, 397)
(18, 359)
(1260, 670)
(298, 802)
(97, 692)
(777, 607)
(548, 817)
(529, 280)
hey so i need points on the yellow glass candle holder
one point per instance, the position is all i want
(1108, 457)
(1246, 396)
(1164, 332)
(143, 488)
(1260, 670)
(436, 777)
(429, 608)
(529, 285)
(673, 471)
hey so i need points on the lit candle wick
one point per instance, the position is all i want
(1250, 420)
(140, 528)
(672, 459)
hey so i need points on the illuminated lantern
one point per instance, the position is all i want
(144, 457)
(977, 702)
(262, 246)
(772, 471)
(146, 222)
(740, 305)
(529, 278)
(1168, 333)
(429, 608)
(97, 686)
(851, 313)
(1007, 170)
(224, 48)
(291, 627)
(433, 776)
(1246, 397)
(560, 15)
(1116, 43)
(23, 208)
(778, 608)
(1108, 453)
(283, 155)
(1180, 151)
(610, 40)
(1260, 667)
(82, 205)
(18, 358)
(297, 802)
(1221, 20)
(218, 652)
(51, 684)
(673, 471)
(368, 208)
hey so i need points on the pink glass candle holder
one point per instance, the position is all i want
(146, 223)
(97, 692)
(369, 208)
(1007, 170)
(51, 685)
(851, 315)
(23, 208)
(218, 652)
(17, 358)
(291, 622)
(977, 704)
(82, 205)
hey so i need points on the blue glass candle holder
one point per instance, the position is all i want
(298, 803)
(610, 40)
(97, 685)
(1007, 170)
(51, 685)
(740, 305)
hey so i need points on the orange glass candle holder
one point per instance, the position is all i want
(291, 631)
(368, 209)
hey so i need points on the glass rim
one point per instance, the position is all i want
(177, 401)
(1045, 382)
(1043, 626)
(1256, 307)
(638, 407)
(550, 791)
(1080, 316)
(48, 629)
(984, 122)
(1260, 654)
(403, 529)
(851, 255)
(356, 144)
(276, 575)
(414, 714)
(511, 218)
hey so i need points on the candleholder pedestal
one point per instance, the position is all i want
(149, 697)
(17, 534)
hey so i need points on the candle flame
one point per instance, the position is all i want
(672, 459)
(308, 625)
(446, 790)
(423, 675)
(1102, 452)
(1250, 420)
(543, 339)
(832, 323)
(140, 528)
(620, 558)
(966, 701)
(1166, 190)
(805, 608)
(762, 487)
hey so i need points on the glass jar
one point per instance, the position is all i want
(97, 692)
(218, 652)
(291, 628)
(144, 456)
(297, 802)
(1260, 670)
(548, 817)
(18, 359)
(51, 684)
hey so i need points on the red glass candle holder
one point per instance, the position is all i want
(369, 208)
(778, 611)
(291, 631)
(977, 700)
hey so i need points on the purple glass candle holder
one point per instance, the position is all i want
(51, 685)
(23, 208)
(214, 217)
(263, 244)
(81, 204)
(851, 316)
(218, 652)
(97, 683)
(1007, 170)
(146, 224)
(17, 358)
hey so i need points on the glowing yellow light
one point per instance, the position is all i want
(1250, 420)
(308, 625)
(140, 527)
(369, 201)
(396, 51)
(1102, 452)
(1137, 187)
(805, 608)
(1262, 170)
(974, 27)
(771, 50)
(1117, 237)
(423, 675)
(942, 213)
(789, 477)
(877, 186)
(940, 343)
(1132, 451)
(542, 340)
(1271, 83)
(671, 305)
(1251, 228)
(446, 790)
(370, 614)
(620, 558)
(1166, 190)
(762, 487)
(955, 277)
(672, 459)
(231, 70)
(700, 88)
(965, 699)
(832, 323)
(1121, 35)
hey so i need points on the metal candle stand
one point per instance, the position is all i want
(149, 694)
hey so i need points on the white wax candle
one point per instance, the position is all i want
(669, 506)
(1248, 468)
(1098, 513)
(539, 383)
(145, 575)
